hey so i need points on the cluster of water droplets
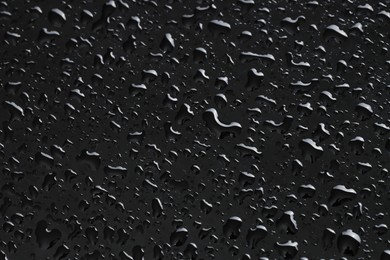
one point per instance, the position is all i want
(194, 129)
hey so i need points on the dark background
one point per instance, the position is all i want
(88, 155)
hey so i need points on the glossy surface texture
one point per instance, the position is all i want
(194, 130)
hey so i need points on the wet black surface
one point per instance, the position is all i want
(194, 130)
